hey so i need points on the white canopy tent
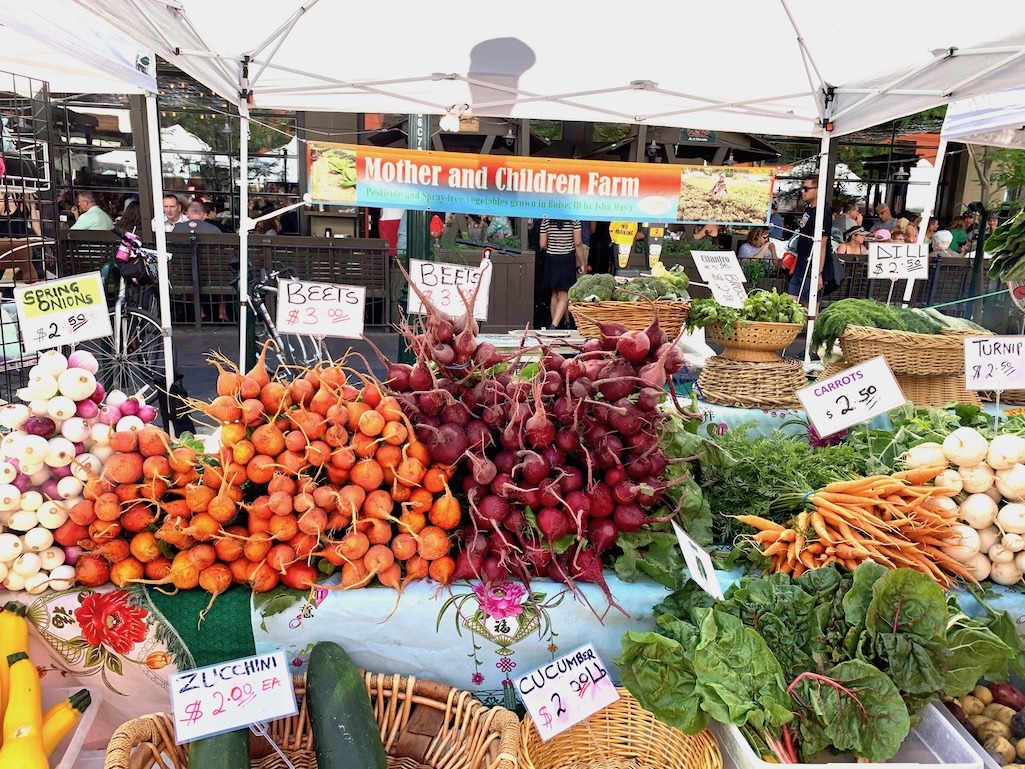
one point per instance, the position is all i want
(541, 61)
(66, 46)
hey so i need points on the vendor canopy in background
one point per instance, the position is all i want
(63, 44)
(758, 66)
(996, 119)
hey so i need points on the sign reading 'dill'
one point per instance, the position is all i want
(61, 312)
(566, 691)
(897, 261)
(853, 396)
(320, 309)
(231, 695)
(994, 363)
(721, 271)
(441, 284)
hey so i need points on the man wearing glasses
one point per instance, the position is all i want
(798, 287)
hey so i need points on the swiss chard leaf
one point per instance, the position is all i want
(975, 653)
(739, 681)
(853, 708)
(857, 599)
(906, 628)
(655, 554)
(657, 671)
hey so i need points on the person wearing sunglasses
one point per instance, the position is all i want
(799, 288)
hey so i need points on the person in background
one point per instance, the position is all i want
(934, 226)
(703, 231)
(757, 245)
(90, 215)
(799, 287)
(853, 241)
(992, 222)
(911, 230)
(195, 221)
(560, 240)
(901, 226)
(775, 223)
(210, 209)
(897, 236)
(173, 213)
(273, 227)
(850, 216)
(880, 236)
(584, 249)
(885, 219)
(131, 218)
(958, 233)
(940, 244)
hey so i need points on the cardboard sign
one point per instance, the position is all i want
(231, 695)
(62, 312)
(897, 261)
(566, 691)
(441, 284)
(853, 396)
(699, 563)
(721, 271)
(994, 363)
(320, 309)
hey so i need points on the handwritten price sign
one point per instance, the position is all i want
(231, 695)
(320, 309)
(896, 261)
(699, 563)
(995, 363)
(853, 396)
(61, 312)
(566, 691)
(721, 271)
(441, 284)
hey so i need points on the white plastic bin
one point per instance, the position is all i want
(988, 762)
(65, 755)
(933, 741)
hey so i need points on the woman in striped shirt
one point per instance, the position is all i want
(559, 240)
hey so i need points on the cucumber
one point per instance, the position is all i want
(345, 731)
(225, 751)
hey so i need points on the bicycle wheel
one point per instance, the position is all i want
(132, 359)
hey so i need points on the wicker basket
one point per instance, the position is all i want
(753, 341)
(1007, 397)
(937, 391)
(907, 354)
(424, 725)
(636, 316)
(752, 385)
(623, 730)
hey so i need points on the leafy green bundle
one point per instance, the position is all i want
(1007, 247)
(828, 661)
(759, 307)
(667, 285)
(832, 321)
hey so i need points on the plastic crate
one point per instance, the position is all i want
(987, 759)
(934, 741)
(65, 755)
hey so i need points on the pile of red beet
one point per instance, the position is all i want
(558, 461)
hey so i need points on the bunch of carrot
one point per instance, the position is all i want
(312, 475)
(894, 520)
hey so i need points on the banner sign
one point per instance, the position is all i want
(468, 183)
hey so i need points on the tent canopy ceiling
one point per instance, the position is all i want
(997, 120)
(786, 66)
(63, 44)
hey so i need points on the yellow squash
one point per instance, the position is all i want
(13, 639)
(23, 721)
(62, 717)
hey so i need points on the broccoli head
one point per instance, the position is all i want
(593, 288)
(650, 288)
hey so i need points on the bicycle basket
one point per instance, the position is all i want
(138, 271)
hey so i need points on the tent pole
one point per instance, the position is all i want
(814, 268)
(930, 206)
(163, 279)
(243, 234)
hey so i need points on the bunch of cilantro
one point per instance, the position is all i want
(829, 661)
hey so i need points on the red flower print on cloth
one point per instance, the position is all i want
(107, 619)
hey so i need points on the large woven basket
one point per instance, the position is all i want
(906, 353)
(754, 341)
(937, 391)
(620, 732)
(752, 385)
(636, 316)
(424, 725)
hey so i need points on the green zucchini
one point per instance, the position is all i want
(345, 731)
(225, 751)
